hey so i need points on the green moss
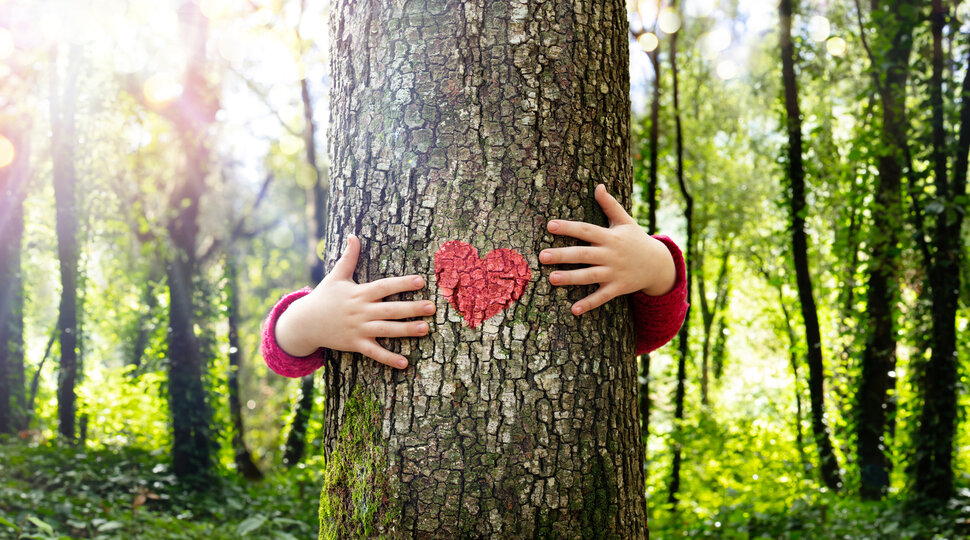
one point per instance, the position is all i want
(354, 501)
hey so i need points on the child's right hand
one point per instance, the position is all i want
(343, 315)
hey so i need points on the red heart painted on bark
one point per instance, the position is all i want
(479, 288)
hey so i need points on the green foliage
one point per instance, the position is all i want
(56, 491)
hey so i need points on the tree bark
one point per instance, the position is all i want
(684, 334)
(937, 428)
(478, 122)
(796, 174)
(893, 44)
(63, 101)
(13, 188)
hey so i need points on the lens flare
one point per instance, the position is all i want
(7, 152)
(835, 46)
(648, 41)
(6, 44)
(819, 28)
(161, 88)
(669, 21)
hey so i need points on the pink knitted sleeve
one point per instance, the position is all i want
(276, 358)
(658, 318)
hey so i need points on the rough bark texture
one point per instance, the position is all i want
(479, 121)
(796, 176)
(893, 42)
(63, 139)
(13, 187)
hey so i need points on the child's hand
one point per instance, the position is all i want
(343, 315)
(623, 258)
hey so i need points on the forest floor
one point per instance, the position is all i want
(49, 491)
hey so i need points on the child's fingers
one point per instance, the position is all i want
(578, 229)
(371, 349)
(394, 329)
(382, 288)
(611, 207)
(583, 276)
(401, 310)
(601, 296)
(572, 255)
(344, 269)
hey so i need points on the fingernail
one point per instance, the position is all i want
(402, 364)
(577, 309)
(418, 281)
(553, 226)
(545, 256)
(554, 278)
(422, 327)
(429, 308)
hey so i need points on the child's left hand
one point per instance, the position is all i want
(623, 258)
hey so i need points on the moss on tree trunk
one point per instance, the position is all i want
(479, 122)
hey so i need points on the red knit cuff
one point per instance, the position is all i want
(659, 318)
(276, 358)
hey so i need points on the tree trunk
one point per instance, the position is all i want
(879, 356)
(243, 457)
(192, 114)
(684, 334)
(796, 175)
(316, 211)
(934, 447)
(479, 123)
(63, 102)
(13, 189)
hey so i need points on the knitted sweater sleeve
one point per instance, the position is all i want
(658, 318)
(275, 357)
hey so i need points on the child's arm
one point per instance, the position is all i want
(343, 315)
(624, 259)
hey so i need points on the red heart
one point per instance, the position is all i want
(479, 288)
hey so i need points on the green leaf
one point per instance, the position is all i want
(9, 524)
(110, 526)
(41, 525)
(250, 524)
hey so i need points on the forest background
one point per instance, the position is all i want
(108, 110)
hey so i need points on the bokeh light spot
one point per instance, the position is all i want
(648, 41)
(291, 144)
(322, 249)
(669, 21)
(6, 43)
(7, 152)
(648, 11)
(727, 70)
(835, 46)
(819, 28)
(715, 42)
(162, 88)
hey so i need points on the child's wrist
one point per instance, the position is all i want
(663, 275)
(289, 335)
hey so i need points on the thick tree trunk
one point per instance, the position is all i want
(478, 122)
(13, 188)
(316, 212)
(192, 114)
(937, 429)
(63, 137)
(684, 334)
(879, 357)
(796, 175)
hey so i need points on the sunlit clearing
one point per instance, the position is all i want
(648, 11)
(214, 9)
(819, 28)
(716, 41)
(162, 88)
(7, 152)
(669, 21)
(727, 70)
(835, 46)
(6, 44)
(648, 42)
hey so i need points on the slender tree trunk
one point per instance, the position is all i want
(934, 447)
(479, 123)
(796, 175)
(63, 102)
(13, 188)
(709, 313)
(879, 356)
(144, 332)
(793, 361)
(195, 110)
(316, 211)
(684, 334)
(243, 457)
